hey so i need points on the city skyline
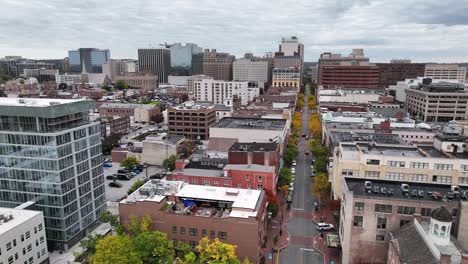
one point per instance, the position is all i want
(423, 31)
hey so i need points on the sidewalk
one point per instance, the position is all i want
(320, 244)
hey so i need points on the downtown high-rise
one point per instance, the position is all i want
(156, 61)
(50, 154)
(88, 60)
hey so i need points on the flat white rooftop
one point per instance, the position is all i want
(241, 198)
(15, 217)
(250, 167)
(35, 102)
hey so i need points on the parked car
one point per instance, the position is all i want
(293, 170)
(294, 163)
(107, 165)
(307, 152)
(111, 177)
(123, 177)
(303, 135)
(122, 171)
(324, 226)
(115, 184)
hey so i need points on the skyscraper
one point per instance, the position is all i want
(88, 60)
(292, 47)
(155, 61)
(218, 65)
(50, 153)
(181, 56)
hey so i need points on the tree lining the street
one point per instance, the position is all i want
(321, 187)
(129, 163)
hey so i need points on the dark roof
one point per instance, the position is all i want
(388, 112)
(221, 144)
(441, 214)
(411, 246)
(253, 146)
(251, 123)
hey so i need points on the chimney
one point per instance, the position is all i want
(444, 259)
(179, 165)
(249, 157)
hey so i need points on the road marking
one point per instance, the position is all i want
(307, 249)
(300, 209)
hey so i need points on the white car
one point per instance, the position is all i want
(294, 163)
(324, 226)
(293, 170)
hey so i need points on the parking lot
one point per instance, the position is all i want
(116, 194)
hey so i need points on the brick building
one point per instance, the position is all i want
(371, 209)
(393, 72)
(266, 154)
(115, 125)
(136, 112)
(352, 76)
(191, 120)
(186, 213)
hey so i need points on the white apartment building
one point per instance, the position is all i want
(248, 70)
(217, 91)
(446, 71)
(444, 163)
(69, 79)
(22, 236)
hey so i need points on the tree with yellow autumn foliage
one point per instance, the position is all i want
(311, 102)
(315, 126)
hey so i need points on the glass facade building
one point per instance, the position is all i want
(50, 153)
(88, 59)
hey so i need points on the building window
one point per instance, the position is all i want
(426, 211)
(40, 227)
(357, 221)
(206, 182)
(381, 223)
(441, 179)
(372, 174)
(193, 243)
(394, 176)
(259, 186)
(35, 230)
(8, 246)
(227, 183)
(464, 167)
(359, 206)
(194, 181)
(22, 238)
(14, 242)
(419, 165)
(379, 238)
(383, 208)
(212, 234)
(182, 230)
(193, 231)
(239, 185)
(174, 229)
(373, 162)
(418, 177)
(259, 178)
(248, 186)
(394, 163)
(28, 234)
(247, 177)
(454, 212)
(203, 232)
(463, 180)
(10, 260)
(41, 239)
(404, 222)
(222, 235)
(440, 166)
(407, 210)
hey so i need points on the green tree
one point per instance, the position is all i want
(107, 88)
(154, 247)
(116, 250)
(291, 153)
(113, 220)
(169, 163)
(321, 186)
(135, 186)
(139, 225)
(110, 142)
(121, 85)
(216, 252)
(285, 176)
(182, 249)
(89, 244)
(129, 163)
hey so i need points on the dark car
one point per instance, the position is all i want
(111, 177)
(115, 184)
(123, 177)
(122, 171)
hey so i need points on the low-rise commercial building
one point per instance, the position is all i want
(23, 236)
(266, 154)
(136, 112)
(155, 149)
(437, 102)
(187, 213)
(191, 120)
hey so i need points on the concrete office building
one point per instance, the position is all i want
(156, 61)
(23, 236)
(219, 92)
(187, 213)
(135, 80)
(50, 153)
(446, 162)
(215, 64)
(88, 60)
(181, 56)
(191, 120)
(292, 47)
(119, 67)
(446, 72)
(252, 70)
(372, 210)
(281, 61)
(437, 102)
(286, 77)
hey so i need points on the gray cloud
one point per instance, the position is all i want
(419, 29)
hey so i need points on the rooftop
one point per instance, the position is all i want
(414, 191)
(34, 102)
(47, 108)
(121, 105)
(202, 172)
(251, 123)
(250, 167)
(253, 146)
(171, 139)
(154, 190)
(194, 106)
(345, 136)
(11, 218)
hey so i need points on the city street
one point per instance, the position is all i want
(301, 227)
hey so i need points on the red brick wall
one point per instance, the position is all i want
(118, 155)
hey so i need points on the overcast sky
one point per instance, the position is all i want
(421, 30)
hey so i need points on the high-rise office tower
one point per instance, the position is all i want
(155, 61)
(88, 60)
(181, 56)
(50, 153)
(292, 47)
(218, 65)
